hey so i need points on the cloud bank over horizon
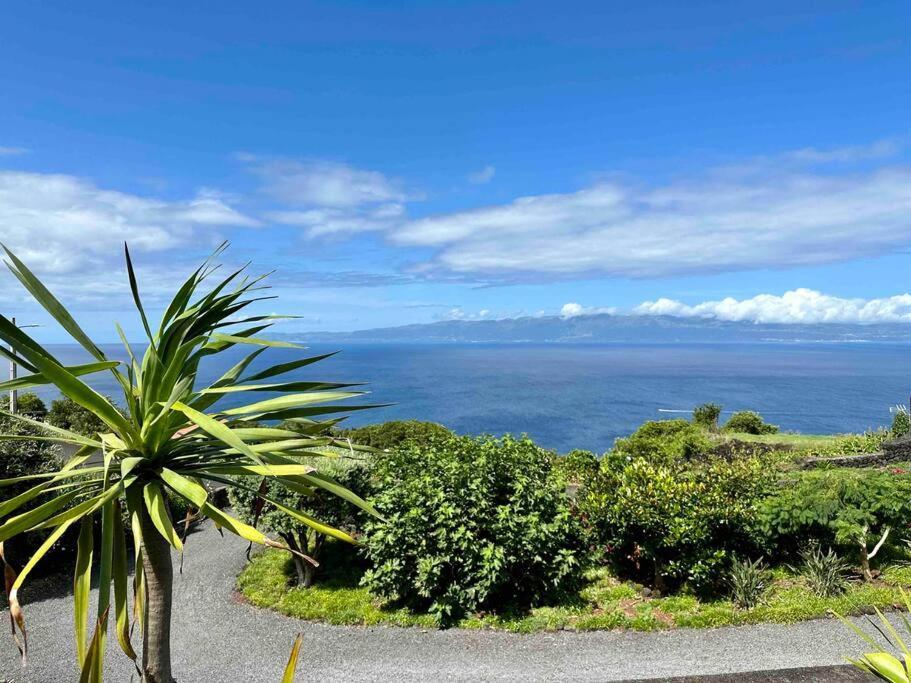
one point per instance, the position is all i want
(793, 209)
(801, 305)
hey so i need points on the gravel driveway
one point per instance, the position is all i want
(219, 639)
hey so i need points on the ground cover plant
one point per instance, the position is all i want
(603, 603)
(169, 437)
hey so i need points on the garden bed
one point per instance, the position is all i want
(603, 604)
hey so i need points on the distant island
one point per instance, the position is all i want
(607, 328)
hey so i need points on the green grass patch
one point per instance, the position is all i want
(791, 440)
(821, 445)
(604, 604)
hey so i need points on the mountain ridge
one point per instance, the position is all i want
(611, 328)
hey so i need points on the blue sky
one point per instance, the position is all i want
(405, 162)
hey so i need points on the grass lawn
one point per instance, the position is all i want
(792, 440)
(605, 603)
(824, 445)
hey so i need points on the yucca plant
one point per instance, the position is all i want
(170, 439)
(747, 580)
(826, 572)
(882, 663)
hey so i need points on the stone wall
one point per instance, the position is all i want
(897, 450)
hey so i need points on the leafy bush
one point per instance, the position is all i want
(747, 580)
(676, 524)
(901, 421)
(27, 404)
(470, 524)
(850, 508)
(826, 572)
(576, 467)
(665, 442)
(326, 507)
(388, 435)
(68, 414)
(22, 458)
(749, 422)
(706, 415)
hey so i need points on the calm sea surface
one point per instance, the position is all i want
(575, 396)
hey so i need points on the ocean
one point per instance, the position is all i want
(569, 396)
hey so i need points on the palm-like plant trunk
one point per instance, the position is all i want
(158, 574)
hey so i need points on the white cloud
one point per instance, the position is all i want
(325, 183)
(12, 151)
(879, 149)
(63, 224)
(330, 220)
(485, 175)
(458, 313)
(326, 197)
(795, 306)
(574, 310)
(711, 224)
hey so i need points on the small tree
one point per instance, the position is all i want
(749, 422)
(27, 404)
(706, 416)
(68, 414)
(901, 421)
(171, 437)
(321, 505)
(852, 508)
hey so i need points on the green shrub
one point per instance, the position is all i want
(850, 508)
(706, 416)
(322, 505)
(901, 421)
(672, 525)
(470, 524)
(576, 467)
(748, 581)
(664, 441)
(21, 458)
(749, 422)
(68, 414)
(388, 435)
(826, 572)
(27, 404)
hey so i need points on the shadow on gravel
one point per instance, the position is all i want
(53, 577)
(827, 674)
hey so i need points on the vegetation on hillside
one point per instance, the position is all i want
(675, 528)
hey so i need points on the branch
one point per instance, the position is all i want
(881, 541)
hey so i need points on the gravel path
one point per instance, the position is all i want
(219, 639)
